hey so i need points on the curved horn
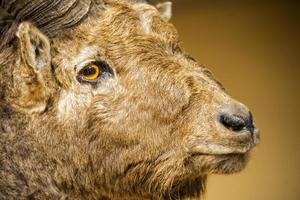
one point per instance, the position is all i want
(50, 16)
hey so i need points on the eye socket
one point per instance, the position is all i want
(90, 72)
(94, 72)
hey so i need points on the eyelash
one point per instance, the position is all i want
(105, 71)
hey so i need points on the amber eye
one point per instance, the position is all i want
(90, 72)
(94, 73)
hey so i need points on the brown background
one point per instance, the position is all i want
(253, 48)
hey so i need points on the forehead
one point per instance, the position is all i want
(121, 21)
(140, 18)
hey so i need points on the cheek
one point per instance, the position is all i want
(135, 117)
(72, 105)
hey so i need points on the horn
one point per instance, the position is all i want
(50, 16)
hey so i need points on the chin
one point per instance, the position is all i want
(219, 164)
(230, 163)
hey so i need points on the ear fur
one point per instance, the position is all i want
(165, 10)
(32, 70)
(35, 47)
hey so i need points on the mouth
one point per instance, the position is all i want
(213, 149)
(241, 144)
(223, 155)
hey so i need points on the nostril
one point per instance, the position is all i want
(236, 117)
(233, 122)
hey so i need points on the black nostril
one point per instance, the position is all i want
(233, 122)
(236, 117)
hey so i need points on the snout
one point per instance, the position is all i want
(229, 130)
(226, 142)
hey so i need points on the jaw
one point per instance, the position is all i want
(198, 167)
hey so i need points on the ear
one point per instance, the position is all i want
(35, 47)
(165, 10)
(32, 71)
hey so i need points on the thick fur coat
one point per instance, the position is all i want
(147, 127)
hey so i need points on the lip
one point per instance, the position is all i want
(234, 146)
(218, 150)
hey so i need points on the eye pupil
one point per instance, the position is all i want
(89, 71)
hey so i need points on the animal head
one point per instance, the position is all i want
(107, 86)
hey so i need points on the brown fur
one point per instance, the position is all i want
(135, 135)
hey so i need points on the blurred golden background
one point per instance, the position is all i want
(253, 48)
